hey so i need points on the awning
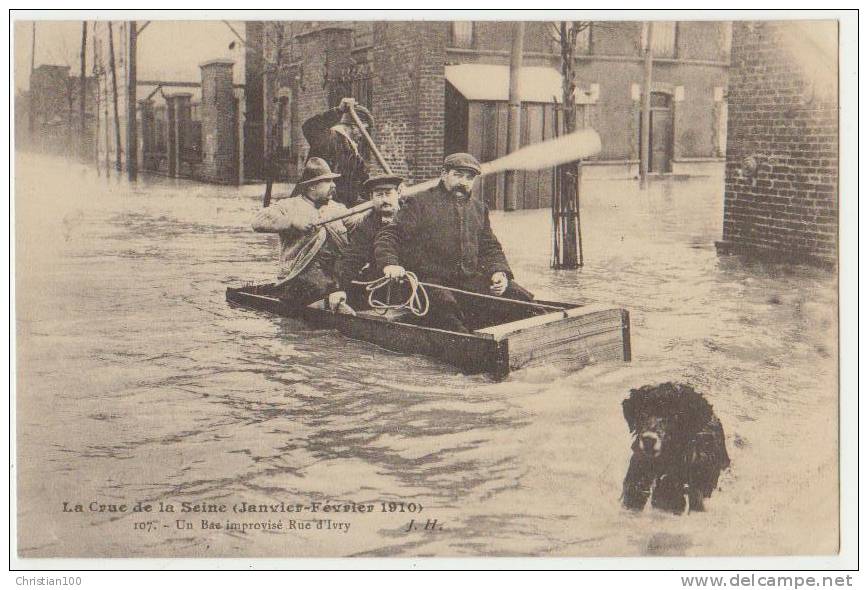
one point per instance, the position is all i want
(491, 82)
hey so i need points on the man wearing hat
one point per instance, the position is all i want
(307, 255)
(335, 137)
(444, 236)
(357, 262)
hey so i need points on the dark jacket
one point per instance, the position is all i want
(441, 239)
(341, 153)
(359, 252)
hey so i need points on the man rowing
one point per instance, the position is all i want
(335, 137)
(307, 255)
(357, 262)
(444, 236)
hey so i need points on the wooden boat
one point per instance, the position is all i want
(549, 332)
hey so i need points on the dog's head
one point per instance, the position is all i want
(663, 418)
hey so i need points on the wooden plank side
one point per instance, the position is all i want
(470, 353)
(575, 353)
(581, 335)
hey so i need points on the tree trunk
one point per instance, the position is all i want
(82, 94)
(513, 130)
(132, 130)
(645, 143)
(115, 97)
(567, 222)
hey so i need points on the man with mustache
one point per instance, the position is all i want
(307, 255)
(444, 236)
(357, 262)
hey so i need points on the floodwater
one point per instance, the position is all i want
(137, 383)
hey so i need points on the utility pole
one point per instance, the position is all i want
(82, 93)
(96, 73)
(105, 93)
(513, 131)
(645, 138)
(132, 138)
(115, 97)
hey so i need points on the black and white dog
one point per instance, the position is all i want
(679, 448)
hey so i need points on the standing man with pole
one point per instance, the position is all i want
(513, 131)
(645, 148)
(335, 136)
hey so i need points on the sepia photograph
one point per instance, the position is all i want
(459, 286)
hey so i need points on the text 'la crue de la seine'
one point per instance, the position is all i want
(244, 507)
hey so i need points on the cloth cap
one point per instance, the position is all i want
(392, 180)
(463, 161)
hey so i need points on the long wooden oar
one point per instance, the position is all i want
(547, 154)
(370, 141)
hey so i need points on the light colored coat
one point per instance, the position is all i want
(287, 218)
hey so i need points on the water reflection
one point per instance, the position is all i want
(137, 382)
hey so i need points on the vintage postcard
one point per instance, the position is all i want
(466, 285)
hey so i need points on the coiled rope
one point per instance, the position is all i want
(417, 302)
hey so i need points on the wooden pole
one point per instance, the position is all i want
(370, 141)
(82, 93)
(569, 172)
(96, 74)
(645, 139)
(115, 97)
(132, 135)
(105, 112)
(513, 130)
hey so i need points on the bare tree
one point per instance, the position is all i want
(567, 238)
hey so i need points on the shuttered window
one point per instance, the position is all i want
(664, 41)
(462, 34)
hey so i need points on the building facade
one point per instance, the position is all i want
(437, 87)
(49, 114)
(781, 194)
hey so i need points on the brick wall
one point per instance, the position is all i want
(218, 122)
(782, 156)
(409, 94)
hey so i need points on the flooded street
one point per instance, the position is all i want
(138, 383)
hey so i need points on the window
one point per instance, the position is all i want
(462, 34)
(583, 40)
(722, 116)
(664, 41)
(726, 40)
(363, 34)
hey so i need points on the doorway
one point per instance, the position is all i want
(661, 139)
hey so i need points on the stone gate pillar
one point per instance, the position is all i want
(218, 113)
(178, 109)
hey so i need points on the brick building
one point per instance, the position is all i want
(52, 106)
(435, 87)
(782, 158)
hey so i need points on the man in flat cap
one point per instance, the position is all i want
(307, 255)
(444, 236)
(357, 263)
(335, 137)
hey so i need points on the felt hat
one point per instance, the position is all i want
(315, 170)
